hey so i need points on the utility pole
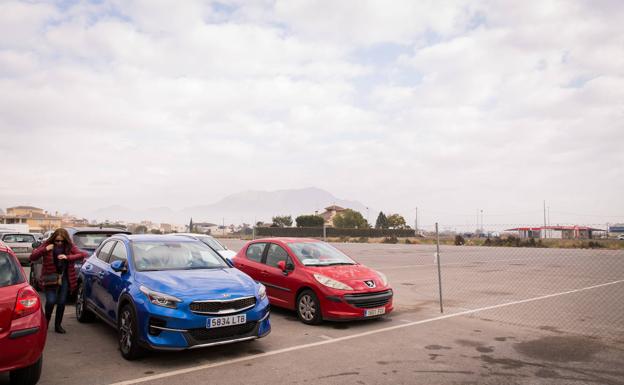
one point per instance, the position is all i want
(416, 221)
(544, 212)
(482, 221)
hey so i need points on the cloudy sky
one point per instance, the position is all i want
(450, 106)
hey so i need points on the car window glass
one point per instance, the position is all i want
(9, 272)
(86, 240)
(172, 255)
(212, 243)
(104, 252)
(276, 254)
(254, 251)
(18, 238)
(119, 253)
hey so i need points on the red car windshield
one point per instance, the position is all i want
(9, 272)
(319, 254)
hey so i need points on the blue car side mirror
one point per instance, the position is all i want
(119, 266)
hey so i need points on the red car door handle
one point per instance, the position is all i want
(264, 272)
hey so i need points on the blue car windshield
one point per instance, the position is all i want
(174, 255)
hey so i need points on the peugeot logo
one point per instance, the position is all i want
(370, 283)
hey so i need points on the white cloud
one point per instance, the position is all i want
(482, 105)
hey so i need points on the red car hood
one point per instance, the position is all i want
(353, 275)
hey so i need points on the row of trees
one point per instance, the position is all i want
(345, 219)
(392, 221)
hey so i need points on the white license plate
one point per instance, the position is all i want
(226, 321)
(374, 312)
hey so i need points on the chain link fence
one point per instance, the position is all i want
(562, 290)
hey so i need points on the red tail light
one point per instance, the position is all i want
(28, 302)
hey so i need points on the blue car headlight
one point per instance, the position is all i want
(262, 292)
(160, 299)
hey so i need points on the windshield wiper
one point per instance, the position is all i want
(339, 263)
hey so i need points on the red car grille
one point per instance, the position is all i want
(369, 300)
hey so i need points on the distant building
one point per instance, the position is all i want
(330, 213)
(205, 227)
(556, 232)
(616, 228)
(37, 219)
(72, 221)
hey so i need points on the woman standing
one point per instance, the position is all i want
(58, 276)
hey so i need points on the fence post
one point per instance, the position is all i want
(438, 259)
(253, 233)
(324, 233)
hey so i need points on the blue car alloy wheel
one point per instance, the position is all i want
(169, 293)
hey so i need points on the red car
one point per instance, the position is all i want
(23, 327)
(315, 279)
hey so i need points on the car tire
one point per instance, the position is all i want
(309, 308)
(83, 314)
(128, 334)
(27, 376)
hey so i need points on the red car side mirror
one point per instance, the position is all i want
(281, 265)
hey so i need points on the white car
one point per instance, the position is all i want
(213, 243)
(621, 237)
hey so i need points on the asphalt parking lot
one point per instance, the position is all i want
(526, 316)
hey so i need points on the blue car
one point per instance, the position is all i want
(169, 293)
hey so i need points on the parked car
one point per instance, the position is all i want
(171, 293)
(213, 243)
(23, 327)
(86, 238)
(38, 236)
(315, 279)
(621, 237)
(21, 244)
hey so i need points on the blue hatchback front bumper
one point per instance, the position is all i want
(162, 328)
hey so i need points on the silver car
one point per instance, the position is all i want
(21, 244)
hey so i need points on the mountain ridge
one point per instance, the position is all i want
(248, 206)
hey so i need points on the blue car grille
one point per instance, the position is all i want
(204, 334)
(223, 307)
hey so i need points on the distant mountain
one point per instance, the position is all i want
(116, 212)
(263, 205)
(247, 207)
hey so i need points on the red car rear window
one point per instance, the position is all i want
(9, 271)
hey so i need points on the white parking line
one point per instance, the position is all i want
(352, 336)
(324, 337)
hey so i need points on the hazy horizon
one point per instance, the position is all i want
(451, 107)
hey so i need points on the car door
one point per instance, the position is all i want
(96, 270)
(251, 263)
(280, 285)
(113, 282)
